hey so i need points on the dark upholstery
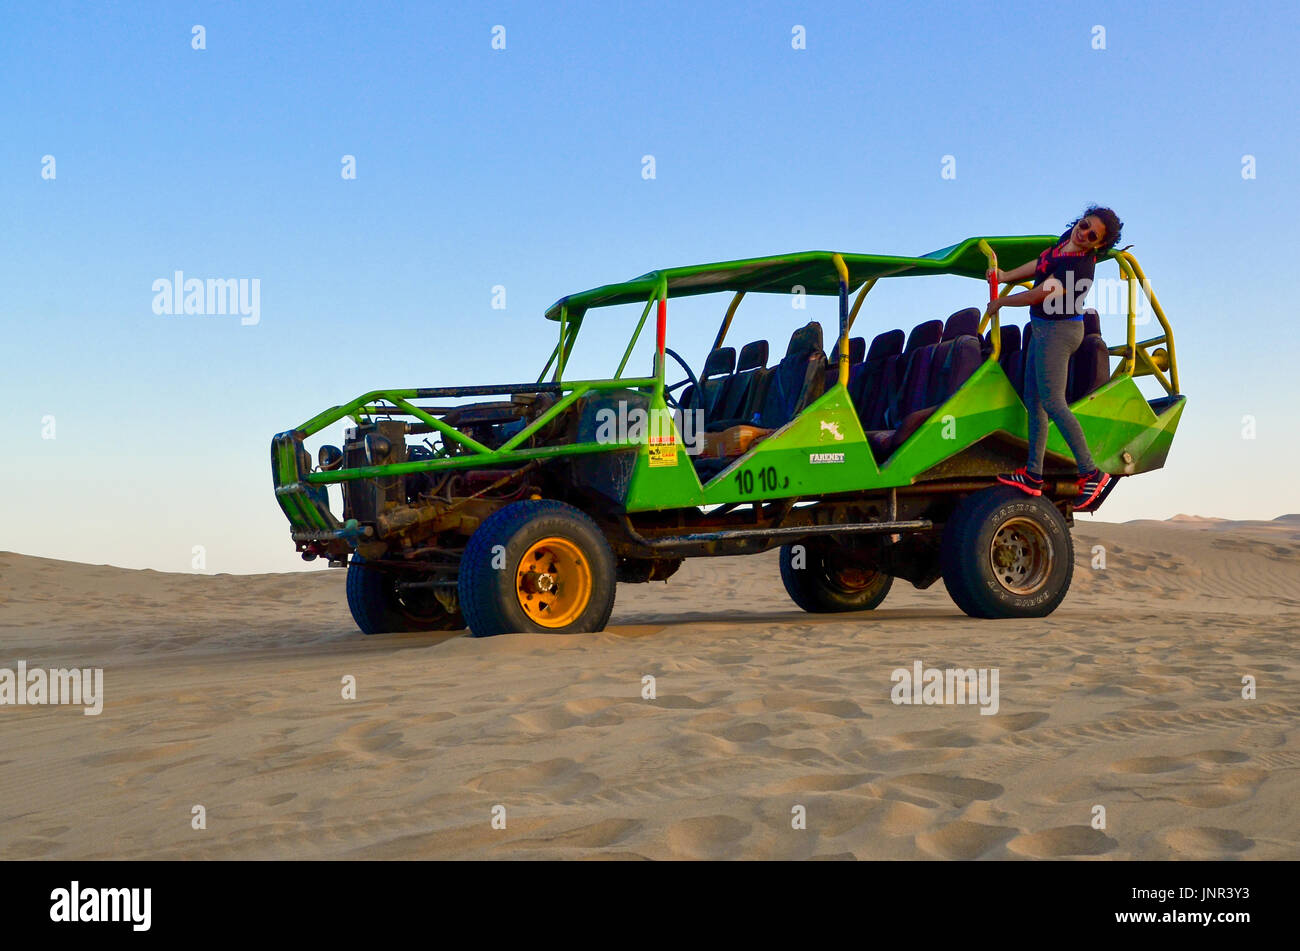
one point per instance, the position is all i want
(752, 356)
(1010, 342)
(718, 366)
(934, 373)
(883, 404)
(720, 362)
(805, 340)
(876, 397)
(889, 343)
(1090, 364)
(1016, 366)
(738, 394)
(924, 334)
(954, 363)
(857, 353)
(865, 380)
(916, 385)
(897, 388)
(796, 381)
(962, 323)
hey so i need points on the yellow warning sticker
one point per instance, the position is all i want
(663, 454)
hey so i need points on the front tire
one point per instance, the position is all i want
(1006, 554)
(539, 566)
(379, 606)
(820, 583)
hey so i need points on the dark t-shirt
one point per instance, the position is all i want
(1075, 272)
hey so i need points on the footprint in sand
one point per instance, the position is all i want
(687, 702)
(597, 835)
(928, 789)
(1145, 765)
(1207, 842)
(1234, 786)
(964, 839)
(817, 782)
(1224, 789)
(553, 779)
(707, 837)
(546, 721)
(746, 732)
(1062, 842)
(932, 739)
(844, 709)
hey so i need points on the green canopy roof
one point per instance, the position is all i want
(813, 270)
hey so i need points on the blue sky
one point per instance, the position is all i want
(522, 167)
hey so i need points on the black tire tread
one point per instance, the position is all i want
(368, 594)
(802, 587)
(963, 581)
(478, 597)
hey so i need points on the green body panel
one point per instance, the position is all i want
(780, 465)
(1115, 419)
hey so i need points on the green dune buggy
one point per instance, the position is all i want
(520, 509)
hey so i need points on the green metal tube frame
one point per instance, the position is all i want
(304, 511)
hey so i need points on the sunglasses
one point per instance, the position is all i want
(1092, 234)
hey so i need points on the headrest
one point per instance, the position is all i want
(887, 344)
(924, 334)
(963, 322)
(806, 340)
(1091, 322)
(1010, 338)
(719, 362)
(752, 356)
(857, 350)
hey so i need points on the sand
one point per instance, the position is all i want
(225, 691)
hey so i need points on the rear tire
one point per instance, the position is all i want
(379, 607)
(826, 585)
(1006, 554)
(539, 566)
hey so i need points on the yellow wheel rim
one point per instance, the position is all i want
(553, 582)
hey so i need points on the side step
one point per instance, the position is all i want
(797, 531)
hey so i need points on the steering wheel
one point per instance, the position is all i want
(670, 392)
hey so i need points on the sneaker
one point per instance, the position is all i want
(1022, 480)
(1090, 487)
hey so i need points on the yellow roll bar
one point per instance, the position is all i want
(843, 270)
(726, 321)
(857, 304)
(996, 333)
(1133, 274)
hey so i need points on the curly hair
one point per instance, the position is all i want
(1108, 218)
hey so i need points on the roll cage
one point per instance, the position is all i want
(299, 489)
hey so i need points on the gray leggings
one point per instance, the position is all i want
(1046, 370)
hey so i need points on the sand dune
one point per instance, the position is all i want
(225, 690)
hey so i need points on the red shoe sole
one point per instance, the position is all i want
(1028, 490)
(1087, 503)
